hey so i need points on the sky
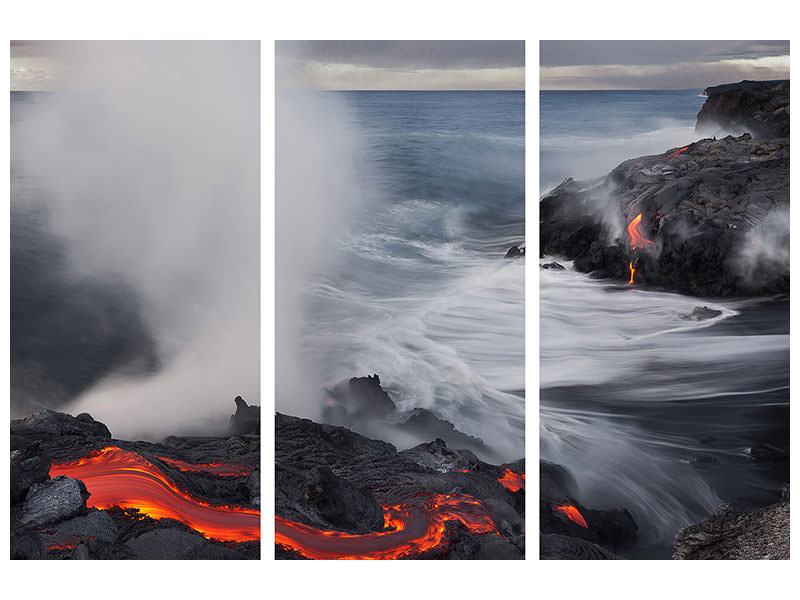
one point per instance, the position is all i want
(400, 65)
(658, 64)
(35, 66)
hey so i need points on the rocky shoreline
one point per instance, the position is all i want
(51, 518)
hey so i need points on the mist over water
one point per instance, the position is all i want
(394, 212)
(142, 177)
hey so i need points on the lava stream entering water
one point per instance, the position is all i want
(637, 239)
(415, 528)
(117, 477)
(512, 481)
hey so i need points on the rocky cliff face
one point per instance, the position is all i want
(708, 219)
(758, 107)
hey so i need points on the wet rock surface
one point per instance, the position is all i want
(312, 457)
(570, 530)
(515, 252)
(714, 215)
(734, 534)
(50, 518)
(361, 404)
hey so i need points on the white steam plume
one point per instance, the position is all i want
(319, 181)
(152, 160)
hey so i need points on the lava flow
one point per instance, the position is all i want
(637, 239)
(512, 481)
(221, 469)
(117, 477)
(674, 154)
(573, 514)
(409, 529)
(630, 266)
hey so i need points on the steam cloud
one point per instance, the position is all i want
(151, 159)
(317, 187)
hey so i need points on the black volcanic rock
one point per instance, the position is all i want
(27, 467)
(54, 500)
(364, 395)
(760, 107)
(553, 546)
(314, 460)
(612, 530)
(715, 212)
(701, 313)
(515, 252)
(425, 424)
(246, 419)
(362, 405)
(342, 504)
(732, 534)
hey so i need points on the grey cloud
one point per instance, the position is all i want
(408, 54)
(653, 52)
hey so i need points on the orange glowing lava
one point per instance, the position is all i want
(117, 477)
(674, 154)
(213, 468)
(630, 266)
(573, 514)
(512, 481)
(409, 529)
(637, 239)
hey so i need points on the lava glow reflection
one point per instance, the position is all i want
(409, 529)
(117, 477)
(512, 481)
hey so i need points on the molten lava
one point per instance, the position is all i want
(630, 266)
(512, 481)
(221, 469)
(573, 514)
(637, 240)
(409, 529)
(117, 477)
(674, 154)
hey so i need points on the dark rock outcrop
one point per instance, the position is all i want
(714, 214)
(54, 500)
(759, 107)
(246, 419)
(515, 252)
(701, 313)
(361, 404)
(733, 534)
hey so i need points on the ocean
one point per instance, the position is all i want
(650, 411)
(418, 195)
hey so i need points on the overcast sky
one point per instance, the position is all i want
(400, 65)
(658, 65)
